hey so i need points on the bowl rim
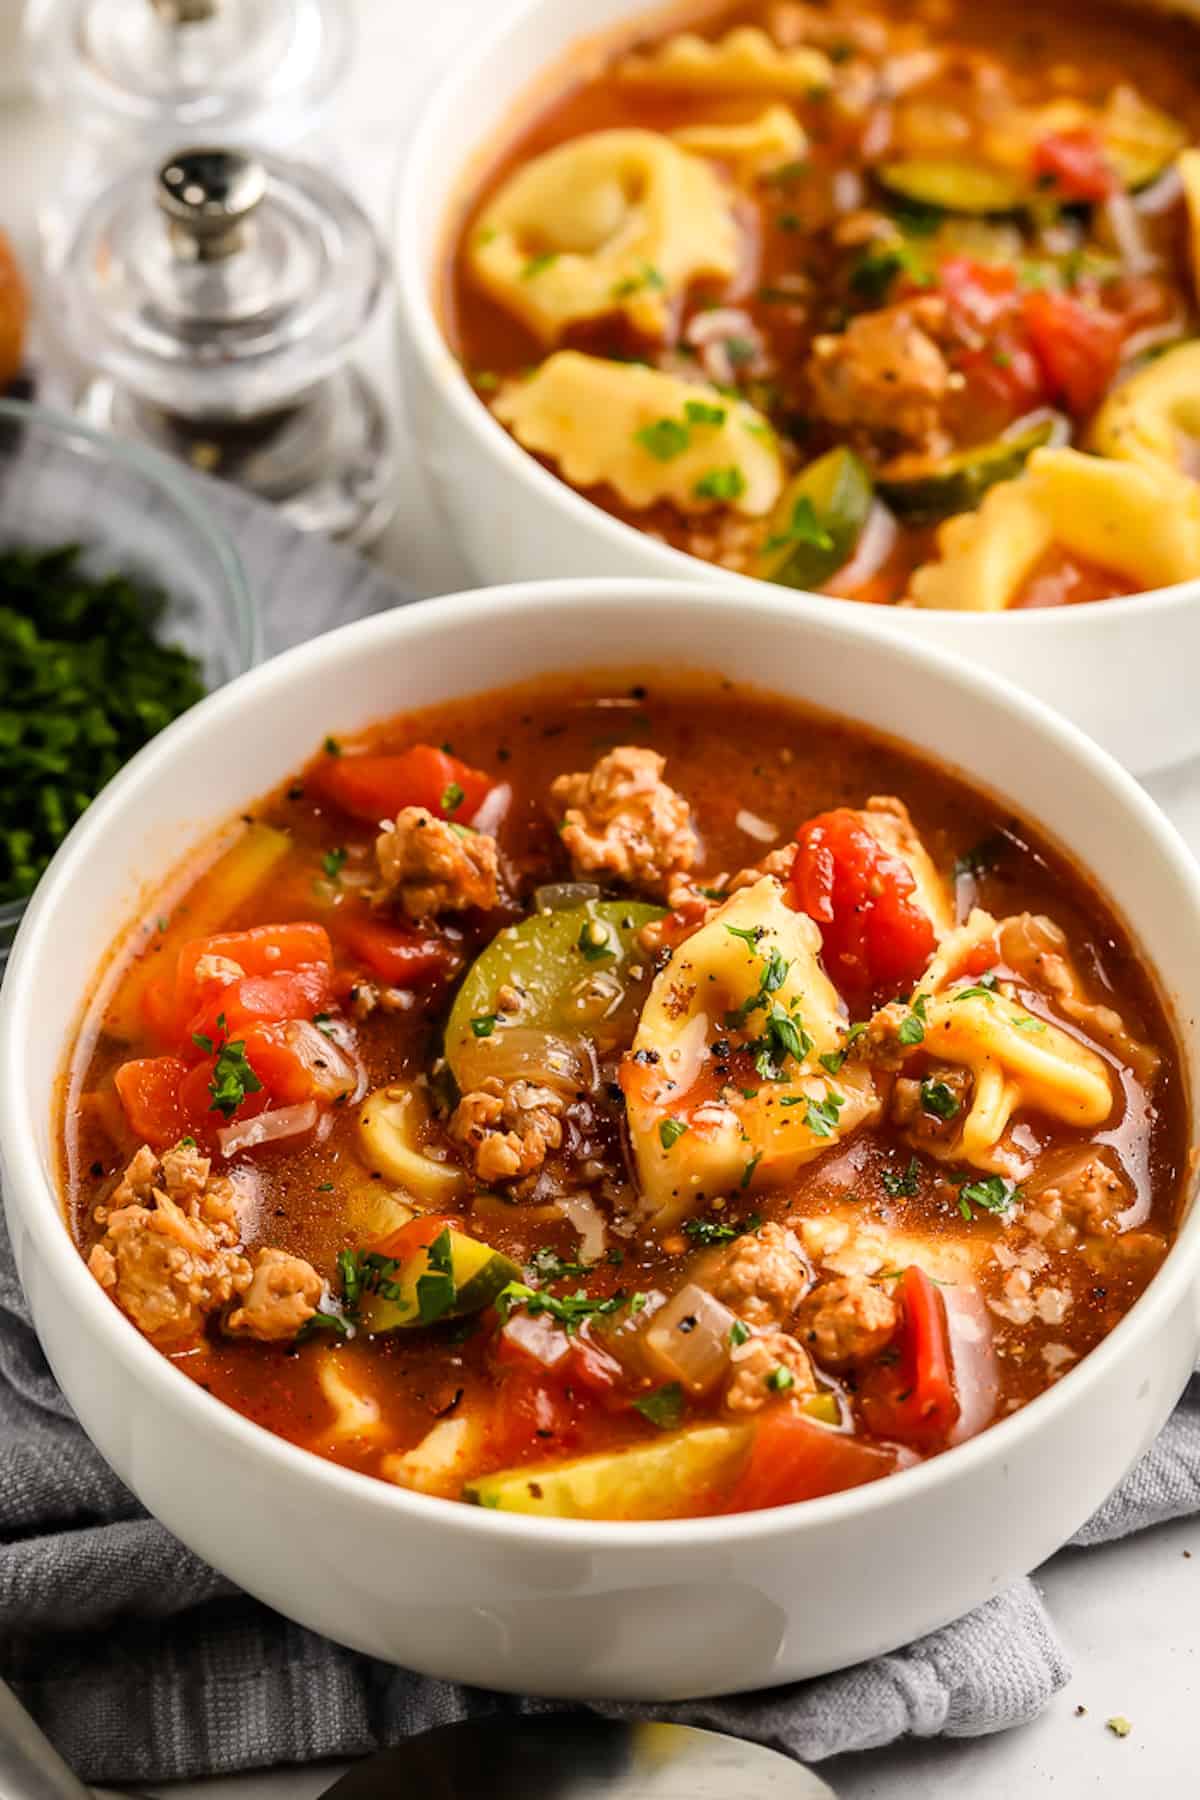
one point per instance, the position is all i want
(159, 471)
(35, 1200)
(415, 270)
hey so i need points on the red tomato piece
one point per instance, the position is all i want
(1078, 347)
(914, 1399)
(534, 1418)
(375, 787)
(149, 1092)
(794, 1458)
(418, 1234)
(1004, 380)
(1074, 164)
(263, 950)
(979, 294)
(201, 1119)
(262, 1000)
(401, 955)
(875, 937)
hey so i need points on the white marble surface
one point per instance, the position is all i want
(1127, 1613)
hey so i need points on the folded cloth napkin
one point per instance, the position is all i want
(143, 1664)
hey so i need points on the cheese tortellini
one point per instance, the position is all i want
(744, 61)
(751, 149)
(616, 221)
(1017, 1062)
(1111, 513)
(1154, 417)
(750, 975)
(649, 435)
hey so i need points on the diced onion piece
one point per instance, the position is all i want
(688, 1339)
(589, 1222)
(493, 810)
(332, 1069)
(626, 1339)
(1128, 235)
(875, 544)
(269, 1127)
(754, 827)
(564, 896)
(537, 1337)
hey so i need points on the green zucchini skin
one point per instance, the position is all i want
(839, 492)
(958, 483)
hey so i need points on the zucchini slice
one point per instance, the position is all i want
(921, 491)
(817, 521)
(960, 187)
(660, 1480)
(399, 1301)
(577, 972)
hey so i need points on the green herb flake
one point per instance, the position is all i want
(569, 1310)
(670, 1131)
(912, 1026)
(702, 412)
(739, 1334)
(332, 862)
(648, 280)
(822, 1115)
(780, 1380)
(321, 1322)
(595, 941)
(664, 440)
(1027, 1022)
(537, 265)
(453, 796)
(938, 1098)
(991, 1194)
(721, 484)
(436, 1288)
(904, 1186)
(983, 989)
(707, 1232)
(664, 1407)
(484, 1024)
(748, 1171)
(547, 1265)
(803, 528)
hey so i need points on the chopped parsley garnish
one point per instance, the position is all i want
(453, 796)
(595, 940)
(708, 1232)
(664, 1407)
(436, 1289)
(484, 1024)
(701, 412)
(780, 1380)
(982, 989)
(749, 934)
(803, 528)
(1027, 1022)
(649, 280)
(665, 439)
(822, 1115)
(368, 1272)
(232, 1077)
(84, 683)
(569, 1310)
(938, 1098)
(323, 1321)
(748, 1171)
(721, 484)
(991, 1194)
(902, 1186)
(783, 1036)
(739, 1334)
(670, 1131)
(537, 264)
(548, 1265)
(912, 1027)
(332, 862)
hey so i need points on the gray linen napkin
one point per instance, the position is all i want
(143, 1664)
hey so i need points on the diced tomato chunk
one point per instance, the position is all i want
(375, 787)
(262, 1000)
(418, 1234)
(149, 1092)
(1003, 380)
(401, 955)
(979, 294)
(913, 1399)
(202, 1120)
(1074, 164)
(876, 938)
(535, 1418)
(794, 1458)
(263, 950)
(1077, 346)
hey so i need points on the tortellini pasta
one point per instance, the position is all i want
(649, 435)
(1018, 1062)
(753, 148)
(1112, 513)
(750, 975)
(613, 222)
(1154, 417)
(744, 61)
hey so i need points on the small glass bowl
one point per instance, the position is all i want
(133, 513)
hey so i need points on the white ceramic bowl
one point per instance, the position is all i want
(1122, 669)
(569, 1608)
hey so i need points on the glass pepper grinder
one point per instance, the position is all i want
(215, 305)
(135, 78)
